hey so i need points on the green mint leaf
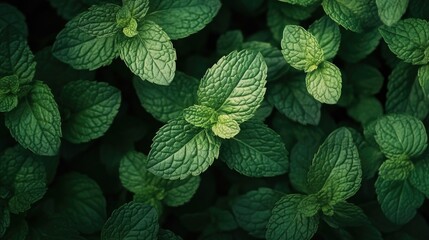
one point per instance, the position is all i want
(363, 44)
(8, 102)
(355, 15)
(200, 116)
(16, 57)
(418, 177)
(150, 54)
(225, 127)
(301, 49)
(180, 19)
(301, 157)
(99, 20)
(304, 3)
(366, 79)
(229, 41)
(423, 77)
(11, 17)
(191, 153)
(292, 99)
(179, 192)
(328, 36)
(400, 136)
(133, 173)
(336, 169)
(36, 123)
(309, 206)
(89, 109)
(131, 221)
(287, 222)
(257, 151)
(390, 11)
(395, 169)
(347, 215)
(82, 50)
(80, 200)
(235, 85)
(365, 109)
(23, 176)
(408, 39)
(369, 154)
(167, 102)
(253, 210)
(138, 8)
(404, 93)
(325, 83)
(398, 199)
(4, 220)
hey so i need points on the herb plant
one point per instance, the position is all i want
(214, 119)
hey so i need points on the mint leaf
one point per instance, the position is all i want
(423, 77)
(418, 177)
(80, 200)
(180, 19)
(400, 136)
(9, 87)
(167, 102)
(309, 206)
(287, 222)
(138, 8)
(225, 127)
(328, 36)
(355, 15)
(35, 123)
(82, 50)
(200, 116)
(363, 44)
(253, 210)
(89, 109)
(301, 49)
(292, 99)
(191, 153)
(131, 221)
(150, 54)
(396, 169)
(408, 40)
(366, 79)
(257, 151)
(325, 83)
(99, 20)
(133, 173)
(390, 11)
(179, 192)
(300, 2)
(235, 85)
(229, 41)
(365, 109)
(347, 215)
(336, 170)
(12, 18)
(399, 199)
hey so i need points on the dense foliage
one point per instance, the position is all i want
(209, 119)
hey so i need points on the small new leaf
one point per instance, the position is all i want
(325, 83)
(200, 116)
(225, 127)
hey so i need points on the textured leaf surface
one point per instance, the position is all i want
(301, 49)
(131, 221)
(178, 192)
(300, 2)
(253, 210)
(89, 109)
(423, 78)
(391, 11)
(150, 54)
(348, 215)
(36, 123)
(257, 151)
(99, 20)
(11, 17)
(408, 40)
(180, 149)
(400, 136)
(325, 83)
(235, 85)
(180, 19)
(225, 127)
(418, 177)
(200, 116)
(80, 200)
(287, 222)
(396, 169)
(328, 36)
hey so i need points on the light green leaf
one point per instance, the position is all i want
(225, 127)
(235, 85)
(167, 102)
(36, 123)
(132, 221)
(363, 44)
(325, 83)
(408, 39)
(89, 109)
(200, 116)
(12, 18)
(180, 149)
(80, 200)
(391, 11)
(292, 99)
(150, 54)
(287, 222)
(82, 50)
(395, 169)
(355, 15)
(400, 136)
(419, 177)
(335, 171)
(423, 77)
(398, 199)
(253, 210)
(99, 20)
(180, 19)
(309, 206)
(404, 93)
(301, 2)
(257, 151)
(328, 36)
(301, 49)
